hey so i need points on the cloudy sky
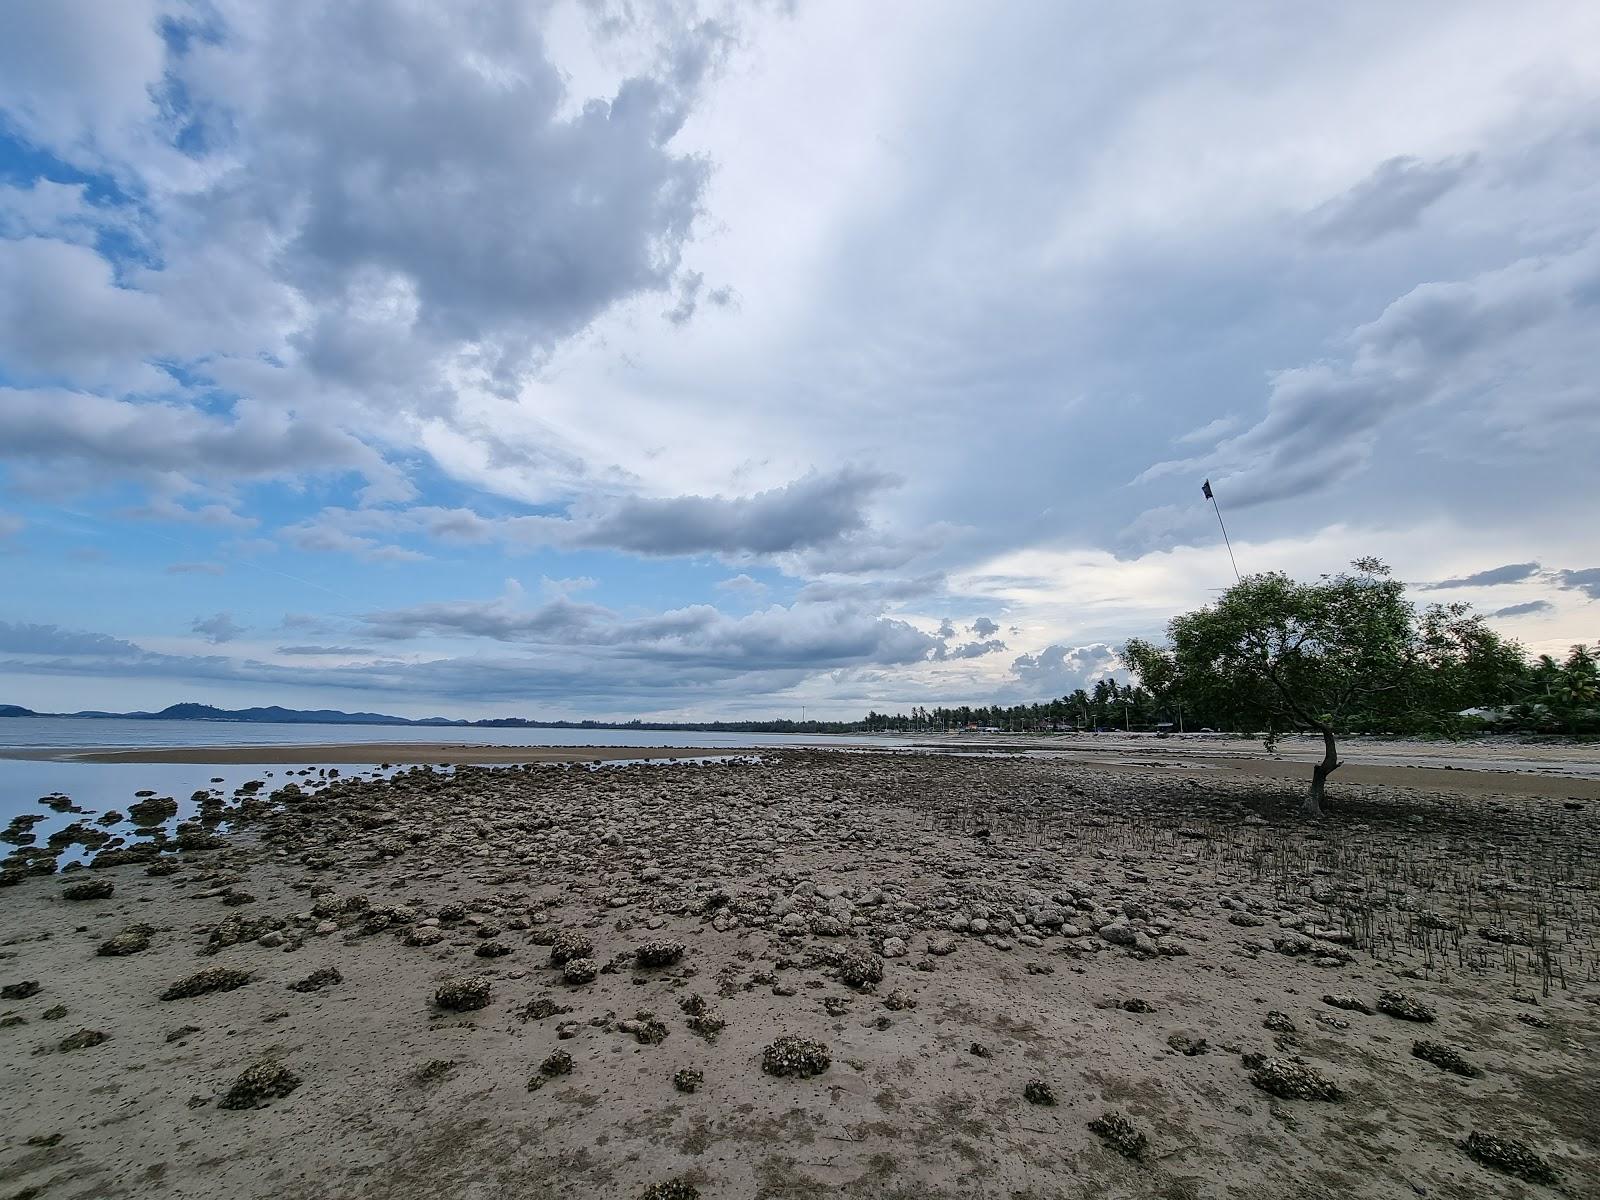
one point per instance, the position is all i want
(662, 360)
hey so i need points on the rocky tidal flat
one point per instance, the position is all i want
(816, 973)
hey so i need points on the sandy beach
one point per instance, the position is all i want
(1005, 976)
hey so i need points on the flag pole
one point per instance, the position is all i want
(1211, 496)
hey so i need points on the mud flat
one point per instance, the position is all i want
(818, 973)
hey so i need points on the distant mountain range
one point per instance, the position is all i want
(273, 714)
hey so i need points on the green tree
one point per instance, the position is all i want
(1346, 651)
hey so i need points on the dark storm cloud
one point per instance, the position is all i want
(413, 147)
(968, 650)
(96, 435)
(1510, 573)
(1586, 581)
(812, 636)
(812, 511)
(342, 651)
(1389, 199)
(576, 655)
(16, 638)
(1444, 341)
(1523, 610)
(875, 591)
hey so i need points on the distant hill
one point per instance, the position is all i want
(273, 714)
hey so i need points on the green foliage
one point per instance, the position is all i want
(1346, 653)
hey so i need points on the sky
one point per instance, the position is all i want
(686, 361)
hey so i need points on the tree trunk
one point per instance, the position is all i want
(1319, 775)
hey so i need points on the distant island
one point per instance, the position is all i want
(276, 715)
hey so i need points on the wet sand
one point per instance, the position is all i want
(963, 938)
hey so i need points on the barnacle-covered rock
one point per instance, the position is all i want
(1348, 1003)
(687, 1080)
(1509, 1155)
(320, 978)
(1292, 1079)
(580, 970)
(131, 940)
(671, 1189)
(538, 1010)
(83, 1039)
(1444, 1057)
(466, 993)
(263, 1080)
(570, 944)
(1037, 1091)
(658, 954)
(89, 889)
(1120, 1134)
(212, 979)
(802, 1057)
(859, 967)
(1398, 1004)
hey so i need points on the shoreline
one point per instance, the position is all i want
(1550, 782)
(365, 753)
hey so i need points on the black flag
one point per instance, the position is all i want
(1206, 488)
